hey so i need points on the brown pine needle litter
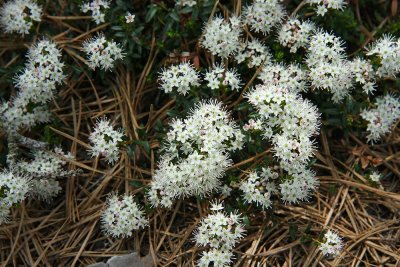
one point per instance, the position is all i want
(66, 231)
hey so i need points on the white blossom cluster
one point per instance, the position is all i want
(263, 15)
(36, 84)
(328, 68)
(259, 187)
(104, 141)
(388, 52)
(219, 76)
(324, 5)
(289, 122)
(121, 216)
(221, 37)
(184, 3)
(196, 154)
(101, 52)
(43, 170)
(14, 187)
(97, 8)
(179, 78)
(254, 53)
(364, 74)
(381, 118)
(220, 232)
(18, 16)
(291, 77)
(332, 245)
(295, 33)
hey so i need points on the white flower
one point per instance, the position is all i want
(18, 16)
(295, 33)
(188, 3)
(291, 77)
(14, 187)
(96, 7)
(263, 15)
(180, 78)
(333, 244)
(218, 76)
(388, 51)
(221, 232)
(105, 141)
(121, 216)
(381, 118)
(196, 154)
(258, 188)
(375, 176)
(324, 5)
(129, 17)
(101, 52)
(222, 38)
(364, 74)
(254, 53)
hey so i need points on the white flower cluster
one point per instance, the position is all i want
(291, 77)
(324, 5)
(105, 141)
(333, 244)
(188, 3)
(222, 38)
(43, 170)
(289, 122)
(254, 53)
(101, 52)
(219, 76)
(381, 118)
(97, 7)
(295, 33)
(18, 16)
(263, 15)
(364, 74)
(121, 216)
(329, 70)
(36, 84)
(388, 52)
(196, 154)
(258, 188)
(13, 189)
(180, 78)
(220, 232)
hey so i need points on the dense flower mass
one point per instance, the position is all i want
(220, 232)
(195, 154)
(324, 5)
(18, 16)
(221, 37)
(263, 15)
(179, 78)
(259, 187)
(101, 52)
(121, 216)
(295, 33)
(219, 76)
(97, 8)
(388, 52)
(381, 118)
(254, 53)
(13, 189)
(104, 140)
(364, 74)
(332, 245)
(36, 84)
(291, 77)
(329, 69)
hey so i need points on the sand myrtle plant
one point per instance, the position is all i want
(254, 53)
(332, 245)
(18, 16)
(104, 141)
(102, 53)
(180, 78)
(122, 216)
(97, 8)
(219, 76)
(324, 5)
(220, 231)
(295, 34)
